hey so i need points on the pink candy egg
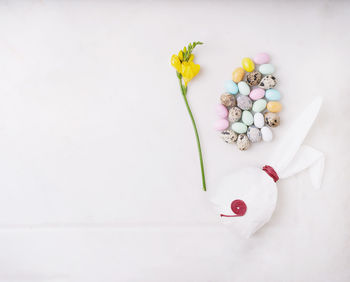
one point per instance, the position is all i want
(221, 124)
(221, 111)
(257, 94)
(261, 58)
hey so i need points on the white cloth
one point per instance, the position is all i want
(257, 189)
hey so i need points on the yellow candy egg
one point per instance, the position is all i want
(238, 75)
(274, 107)
(248, 64)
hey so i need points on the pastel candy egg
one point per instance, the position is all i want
(239, 127)
(259, 105)
(272, 95)
(266, 69)
(259, 120)
(221, 111)
(221, 124)
(238, 75)
(274, 107)
(243, 88)
(247, 118)
(231, 87)
(261, 58)
(257, 94)
(248, 64)
(266, 134)
(244, 102)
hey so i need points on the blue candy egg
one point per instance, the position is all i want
(266, 69)
(243, 88)
(272, 95)
(231, 87)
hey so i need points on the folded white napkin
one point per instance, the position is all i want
(256, 189)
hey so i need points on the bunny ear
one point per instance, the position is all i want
(306, 157)
(290, 144)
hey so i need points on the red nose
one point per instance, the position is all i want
(238, 207)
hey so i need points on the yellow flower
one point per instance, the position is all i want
(176, 63)
(189, 70)
(181, 56)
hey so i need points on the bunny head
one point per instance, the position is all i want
(246, 199)
(258, 195)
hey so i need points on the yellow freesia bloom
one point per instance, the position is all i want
(176, 63)
(189, 70)
(181, 56)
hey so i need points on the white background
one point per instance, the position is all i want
(99, 173)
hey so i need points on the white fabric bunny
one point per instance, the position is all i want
(246, 198)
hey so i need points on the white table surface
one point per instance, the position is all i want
(100, 178)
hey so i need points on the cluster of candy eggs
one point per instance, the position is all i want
(250, 106)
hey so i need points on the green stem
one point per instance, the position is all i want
(184, 92)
